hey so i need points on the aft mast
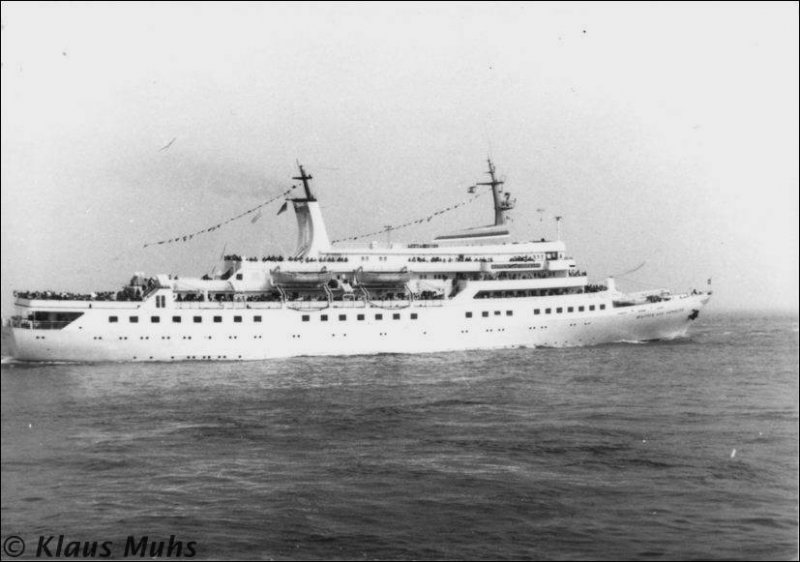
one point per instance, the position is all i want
(502, 204)
(502, 200)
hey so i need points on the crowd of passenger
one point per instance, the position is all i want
(264, 297)
(212, 297)
(65, 295)
(190, 297)
(575, 273)
(437, 259)
(594, 288)
(345, 259)
(126, 294)
(429, 296)
(503, 275)
(329, 259)
(295, 296)
(136, 291)
(528, 293)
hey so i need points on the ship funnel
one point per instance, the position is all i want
(312, 236)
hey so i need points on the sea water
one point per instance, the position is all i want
(653, 451)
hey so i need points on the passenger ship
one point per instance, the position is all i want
(471, 289)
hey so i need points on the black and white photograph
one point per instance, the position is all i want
(400, 280)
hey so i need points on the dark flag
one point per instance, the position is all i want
(283, 207)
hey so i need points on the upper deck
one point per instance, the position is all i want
(321, 270)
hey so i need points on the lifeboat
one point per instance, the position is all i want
(378, 279)
(300, 279)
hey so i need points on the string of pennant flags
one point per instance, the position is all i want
(410, 223)
(187, 237)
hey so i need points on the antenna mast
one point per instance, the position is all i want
(501, 204)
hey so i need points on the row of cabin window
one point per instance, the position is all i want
(343, 317)
(179, 319)
(485, 313)
(218, 319)
(559, 310)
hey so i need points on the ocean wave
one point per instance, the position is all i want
(14, 362)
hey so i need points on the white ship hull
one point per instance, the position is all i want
(283, 332)
(468, 290)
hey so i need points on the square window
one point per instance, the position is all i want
(256, 318)
(342, 317)
(379, 317)
(238, 276)
(571, 309)
(559, 310)
(323, 318)
(591, 307)
(509, 312)
(134, 319)
(359, 317)
(581, 309)
(536, 311)
(218, 319)
(548, 310)
(602, 307)
(176, 319)
(468, 314)
(396, 316)
(112, 319)
(413, 315)
(485, 313)
(497, 313)
(304, 318)
(237, 318)
(155, 319)
(197, 319)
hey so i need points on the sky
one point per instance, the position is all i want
(664, 134)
